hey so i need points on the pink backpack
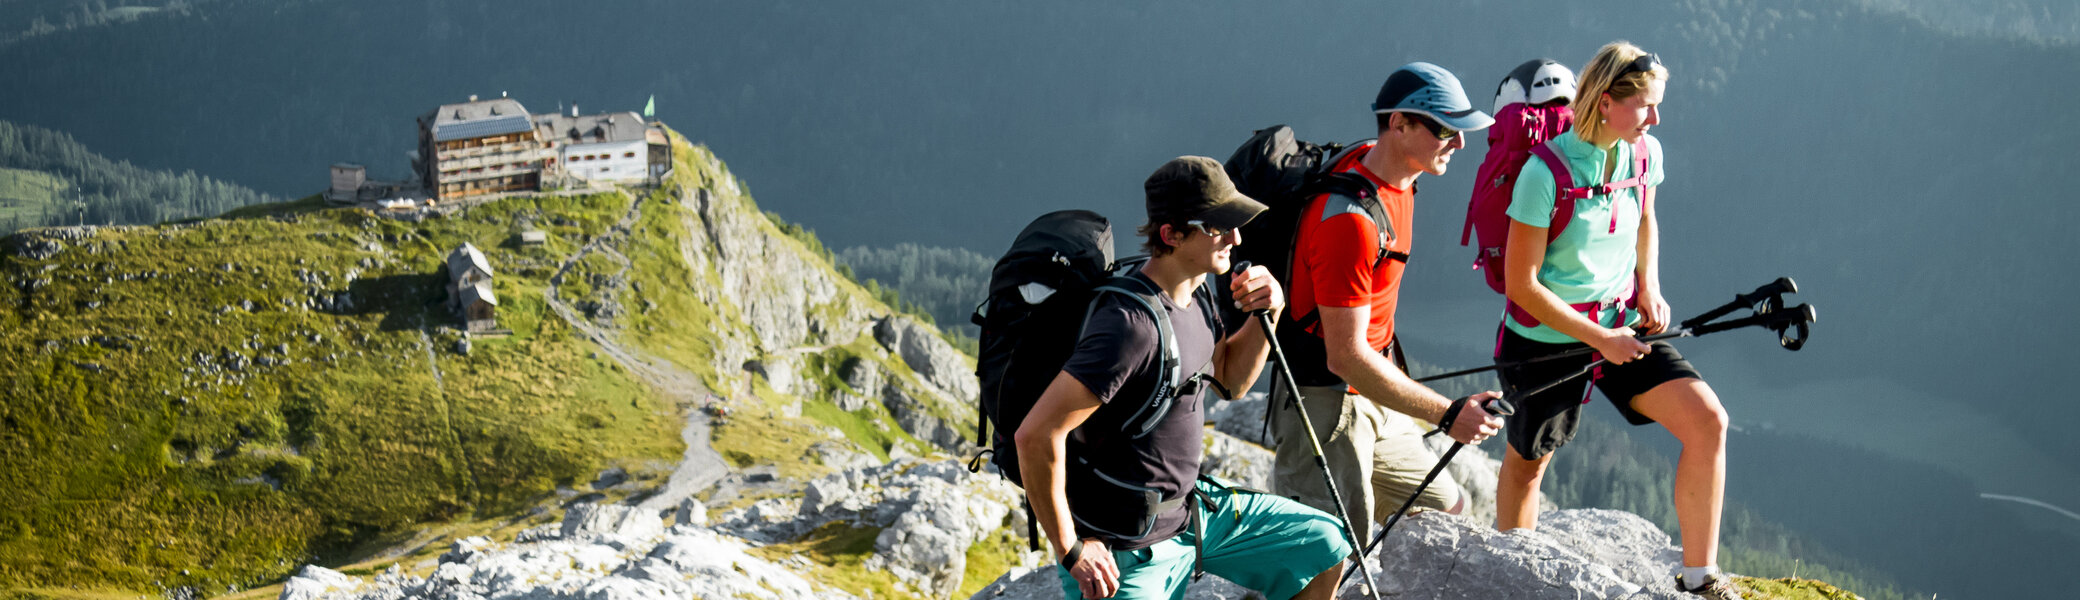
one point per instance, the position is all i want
(1518, 128)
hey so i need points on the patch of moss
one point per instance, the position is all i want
(838, 551)
(990, 558)
(1790, 588)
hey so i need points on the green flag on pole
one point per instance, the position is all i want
(650, 110)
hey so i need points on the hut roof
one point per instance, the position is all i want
(466, 257)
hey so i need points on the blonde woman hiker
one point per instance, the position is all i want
(1597, 283)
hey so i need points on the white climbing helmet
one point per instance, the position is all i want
(1534, 82)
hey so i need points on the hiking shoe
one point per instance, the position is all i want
(1715, 588)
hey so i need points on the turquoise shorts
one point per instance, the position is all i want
(1262, 542)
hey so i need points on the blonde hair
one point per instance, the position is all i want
(1600, 77)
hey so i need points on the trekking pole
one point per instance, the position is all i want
(1771, 316)
(1498, 407)
(1770, 313)
(1278, 356)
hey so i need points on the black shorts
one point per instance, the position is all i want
(1547, 421)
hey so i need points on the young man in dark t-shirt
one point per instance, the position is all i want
(1111, 466)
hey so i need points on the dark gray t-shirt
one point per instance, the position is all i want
(1118, 359)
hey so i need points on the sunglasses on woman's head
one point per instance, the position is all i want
(1645, 63)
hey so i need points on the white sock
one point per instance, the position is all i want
(1695, 577)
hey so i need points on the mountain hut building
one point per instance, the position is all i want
(479, 147)
(469, 289)
(607, 147)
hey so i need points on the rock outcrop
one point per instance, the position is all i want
(929, 355)
(1237, 461)
(315, 582)
(1574, 554)
(782, 302)
(928, 514)
(1586, 553)
(948, 389)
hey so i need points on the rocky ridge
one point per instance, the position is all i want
(1435, 556)
(928, 513)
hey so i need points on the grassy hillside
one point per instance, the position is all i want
(175, 415)
(211, 404)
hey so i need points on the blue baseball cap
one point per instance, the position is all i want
(1428, 89)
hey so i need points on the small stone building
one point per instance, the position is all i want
(469, 288)
(347, 181)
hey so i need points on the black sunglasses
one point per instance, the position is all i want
(1645, 63)
(1436, 128)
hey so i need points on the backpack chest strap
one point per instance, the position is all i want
(1566, 193)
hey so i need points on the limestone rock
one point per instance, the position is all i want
(918, 413)
(690, 512)
(314, 581)
(938, 517)
(929, 355)
(1573, 554)
(1476, 474)
(768, 278)
(466, 550)
(848, 401)
(591, 520)
(717, 566)
(1242, 417)
(1237, 461)
(780, 372)
(862, 379)
(862, 375)
(841, 456)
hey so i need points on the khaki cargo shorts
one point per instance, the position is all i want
(1376, 455)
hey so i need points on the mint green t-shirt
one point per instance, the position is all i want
(1588, 262)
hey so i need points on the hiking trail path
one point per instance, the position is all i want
(701, 466)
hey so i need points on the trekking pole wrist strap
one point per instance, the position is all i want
(1451, 415)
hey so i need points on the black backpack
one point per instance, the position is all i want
(1040, 294)
(1285, 173)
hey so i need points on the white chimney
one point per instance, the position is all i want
(574, 110)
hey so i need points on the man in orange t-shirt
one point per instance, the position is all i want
(1345, 281)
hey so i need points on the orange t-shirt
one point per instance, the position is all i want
(1336, 256)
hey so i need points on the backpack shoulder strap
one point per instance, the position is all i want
(1212, 313)
(1363, 197)
(1564, 191)
(1170, 372)
(1142, 294)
